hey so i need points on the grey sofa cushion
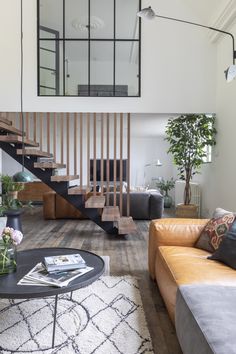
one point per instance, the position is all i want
(143, 205)
(206, 319)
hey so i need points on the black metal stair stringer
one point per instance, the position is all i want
(60, 188)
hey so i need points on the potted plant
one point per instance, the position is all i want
(189, 136)
(165, 187)
(10, 206)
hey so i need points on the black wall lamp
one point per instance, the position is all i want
(149, 14)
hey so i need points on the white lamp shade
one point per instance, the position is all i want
(147, 13)
(230, 73)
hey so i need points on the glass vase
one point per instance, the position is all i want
(7, 258)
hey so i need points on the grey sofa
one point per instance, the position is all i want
(206, 319)
(143, 205)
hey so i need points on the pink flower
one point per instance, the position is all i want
(16, 237)
(9, 235)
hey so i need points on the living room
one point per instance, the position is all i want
(181, 71)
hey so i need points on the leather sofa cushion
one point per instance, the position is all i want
(188, 265)
(172, 232)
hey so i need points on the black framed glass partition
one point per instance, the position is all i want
(89, 48)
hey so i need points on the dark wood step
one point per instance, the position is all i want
(17, 139)
(110, 213)
(77, 190)
(32, 152)
(126, 225)
(5, 120)
(9, 129)
(96, 201)
(64, 178)
(49, 165)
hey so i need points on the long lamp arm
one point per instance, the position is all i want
(199, 25)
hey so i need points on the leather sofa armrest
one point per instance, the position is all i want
(49, 205)
(172, 232)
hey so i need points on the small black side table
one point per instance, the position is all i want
(27, 259)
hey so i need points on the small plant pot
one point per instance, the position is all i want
(167, 201)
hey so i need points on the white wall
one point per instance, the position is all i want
(219, 178)
(178, 66)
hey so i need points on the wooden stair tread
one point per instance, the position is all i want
(63, 178)
(78, 190)
(49, 165)
(32, 152)
(126, 225)
(5, 120)
(111, 213)
(96, 201)
(9, 128)
(17, 139)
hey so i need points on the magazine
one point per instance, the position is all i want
(64, 262)
(39, 276)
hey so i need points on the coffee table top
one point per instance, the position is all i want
(27, 259)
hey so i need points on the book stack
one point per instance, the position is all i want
(46, 159)
(56, 271)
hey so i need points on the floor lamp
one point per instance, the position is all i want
(149, 14)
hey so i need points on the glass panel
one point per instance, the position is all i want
(127, 68)
(127, 22)
(76, 68)
(102, 19)
(51, 15)
(51, 68)
(46, 34)
(101, 74)
(76, 19)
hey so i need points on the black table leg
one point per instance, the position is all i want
(71, 294)
(54, 321)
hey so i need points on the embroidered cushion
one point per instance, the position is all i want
(214, 232)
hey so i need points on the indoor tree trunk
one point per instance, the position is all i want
(187, 191)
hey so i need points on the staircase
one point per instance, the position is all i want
(26, 151)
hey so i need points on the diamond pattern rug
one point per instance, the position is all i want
(106, 317)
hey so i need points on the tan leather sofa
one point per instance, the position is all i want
(174, 261)
(56, 207)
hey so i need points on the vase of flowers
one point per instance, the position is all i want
(9, 239)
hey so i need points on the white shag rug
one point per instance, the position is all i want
(106, 317)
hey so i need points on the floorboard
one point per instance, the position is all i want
(128, 255)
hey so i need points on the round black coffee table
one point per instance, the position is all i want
(27, 259)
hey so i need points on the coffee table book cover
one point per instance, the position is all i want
(64, 262)
(39, 276)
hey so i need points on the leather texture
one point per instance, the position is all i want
(56, 207)
(172, 232)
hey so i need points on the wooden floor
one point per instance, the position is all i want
(128, 255)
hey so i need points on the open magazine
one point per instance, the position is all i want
(40, 277)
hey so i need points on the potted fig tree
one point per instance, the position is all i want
(189, 136)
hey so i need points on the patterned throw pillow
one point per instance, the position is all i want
(214, 231)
